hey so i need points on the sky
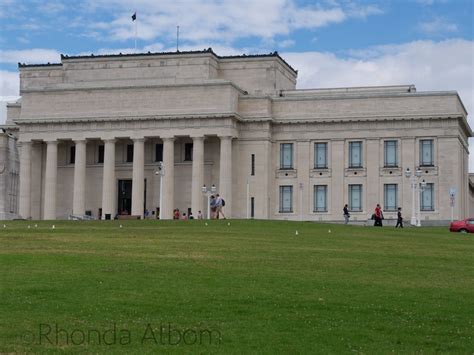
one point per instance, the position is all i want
(332, 43)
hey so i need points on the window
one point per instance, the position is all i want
(355, 154)
(252, 165)
(129, 153)
(72, 154)
(159, 152)
(286, 199)
(320, 155)
(286, 156)
(320, 198)
(426, 152)
(355, 197)
(100, 154)
(427, 198)
(188, 151)
(390, 197)
(390, 154)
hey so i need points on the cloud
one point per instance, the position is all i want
(223, 21)
(437, 26)
(30, 56)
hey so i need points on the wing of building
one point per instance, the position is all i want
(91, 131)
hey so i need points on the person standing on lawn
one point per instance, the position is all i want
(378, 216)
(346, 214)
(399, 218)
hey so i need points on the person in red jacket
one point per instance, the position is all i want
(378, 216)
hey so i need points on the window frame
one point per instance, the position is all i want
(316, 149)
(422, 163)
(158, 146)
(350, 190)
(386, 164)
(282, 189)
(188, 151)
(431, 208)
(72, 154)
(315, 198)
(100, 153)
(129, 153)
(282, 165)
(385, 195)
(361, 154)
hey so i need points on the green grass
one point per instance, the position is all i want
(254, 284)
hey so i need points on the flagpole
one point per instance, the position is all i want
(177, 38)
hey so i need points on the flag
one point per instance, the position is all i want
(134, 16)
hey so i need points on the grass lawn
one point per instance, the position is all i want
(253, 286)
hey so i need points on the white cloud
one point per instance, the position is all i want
(30, 56)
(224, 21)
(437, 26)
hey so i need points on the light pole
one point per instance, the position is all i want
(209, 193)
(414, 186)
(160, 171)
(421, 188)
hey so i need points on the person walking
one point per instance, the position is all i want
(220, 203)
(346, 214)
(399, 218)
(378, 216)
(212, 205)
(199, 216)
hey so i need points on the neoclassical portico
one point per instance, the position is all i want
(109, 176)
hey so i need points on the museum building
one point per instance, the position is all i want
(98, 135)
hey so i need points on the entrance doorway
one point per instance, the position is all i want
(125, 196)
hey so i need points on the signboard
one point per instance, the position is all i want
(452, 196)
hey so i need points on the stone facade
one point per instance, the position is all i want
(8, 176)
(92, 129)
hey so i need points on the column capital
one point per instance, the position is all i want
(109, 140)
(225, 137)
(78, 141)
(51, 142)
(198, 137)
(138, 139)
(168, 138)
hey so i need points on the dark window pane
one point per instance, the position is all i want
(188, 151)
(252, 170)
(129, 153)
(100, 156)
(159, 152)
(72, 155)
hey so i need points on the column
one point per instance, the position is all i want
(225, 174)
(197, 175)
(138, 184)
(25, 180)
(79, 192)
(51, 176)
(166, 211)
(108, 182)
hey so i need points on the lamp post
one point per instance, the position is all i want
(160, 171)
(209, 192)
(414, 186)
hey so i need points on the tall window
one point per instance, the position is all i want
(320, 155)
(355, 154)
(427, 198)
(426, 152)
(252, 165)
(188, 151)
(390, 154)
(159, 152)
(286, 156)
(252, 207)
(355, 197)
(390, 197)
(129, 153)
(286, 199)
(72, 154)
(320, 198)
(100, 154)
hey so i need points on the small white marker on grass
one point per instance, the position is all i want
(36, 226)
(228, 223)
(4, 226)
(120, 226)
(29, 227)
(53, 227)
(296, 233)
(329, 231)
(205, 223)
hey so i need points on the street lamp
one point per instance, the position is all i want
(414, 186)
(160, 171)
(209, 192)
